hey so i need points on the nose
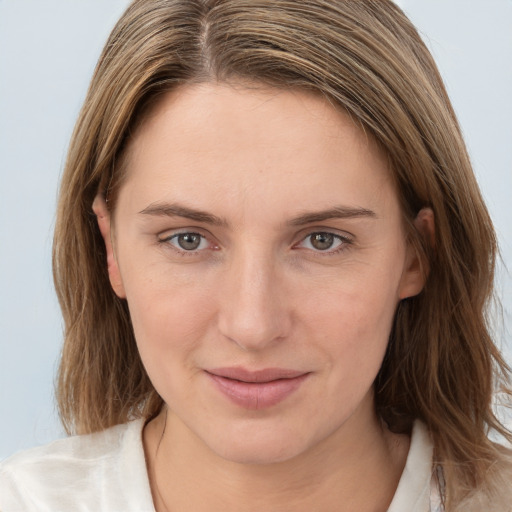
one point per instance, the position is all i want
(254, 311)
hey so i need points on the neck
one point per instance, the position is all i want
(354, 469)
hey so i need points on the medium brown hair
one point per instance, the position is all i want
(365, 57)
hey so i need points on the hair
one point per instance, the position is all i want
(366, 58)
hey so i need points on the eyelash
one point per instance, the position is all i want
(345, 243)
(180, 251)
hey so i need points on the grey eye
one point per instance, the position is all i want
(188, 241)
(322, 241)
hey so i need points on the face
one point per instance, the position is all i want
(258, 241)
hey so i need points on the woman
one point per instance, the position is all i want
(271, 254)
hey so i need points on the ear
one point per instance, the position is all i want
(414, 275)
(99, 207)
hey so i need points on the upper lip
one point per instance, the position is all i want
(264, 375)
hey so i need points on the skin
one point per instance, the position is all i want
(257, 293)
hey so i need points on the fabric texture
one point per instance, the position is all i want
(106, 472)
(101, 472)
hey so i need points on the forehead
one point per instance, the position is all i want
(250, 144)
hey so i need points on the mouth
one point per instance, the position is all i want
(259, 389)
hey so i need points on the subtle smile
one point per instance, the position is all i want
(256, 389)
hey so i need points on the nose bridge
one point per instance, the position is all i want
(253, 312)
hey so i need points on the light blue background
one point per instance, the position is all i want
(48, 49)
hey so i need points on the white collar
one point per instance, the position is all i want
(417, 491)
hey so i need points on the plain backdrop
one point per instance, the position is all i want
(48, 49)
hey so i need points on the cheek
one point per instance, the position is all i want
(171, 314)
(352, 320)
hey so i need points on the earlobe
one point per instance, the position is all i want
(415, 273)
(99, 207)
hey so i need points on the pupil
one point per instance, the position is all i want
(189, 241)
(322, 241)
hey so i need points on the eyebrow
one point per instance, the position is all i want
(177, 210)
(338, 212)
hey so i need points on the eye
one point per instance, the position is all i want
(187, 241)
(324, 241)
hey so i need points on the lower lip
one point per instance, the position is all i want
(257, 395)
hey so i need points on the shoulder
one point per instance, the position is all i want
(497, 495)
(92, 470)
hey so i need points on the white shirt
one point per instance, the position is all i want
(106, 472)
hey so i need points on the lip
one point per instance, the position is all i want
(256, 389)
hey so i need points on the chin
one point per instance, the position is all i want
(259, 445)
